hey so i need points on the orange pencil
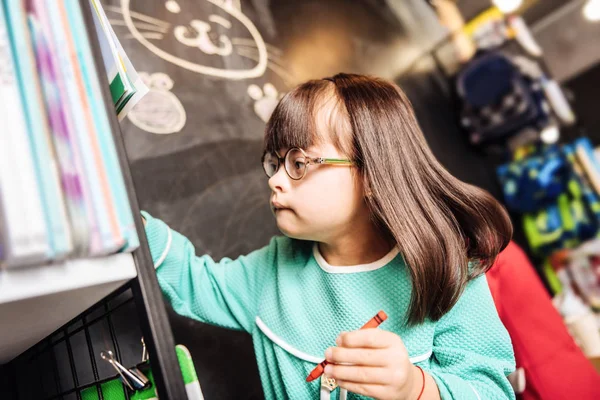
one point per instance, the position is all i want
(373, 323)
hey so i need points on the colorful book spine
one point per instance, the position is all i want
(106, 140)
(92, 244)
(40, 140)
(26, 234)
(110, 238)
(70, 169)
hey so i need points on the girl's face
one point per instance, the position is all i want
(325, 204)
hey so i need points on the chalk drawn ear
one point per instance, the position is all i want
(173, 6)
(161, 81)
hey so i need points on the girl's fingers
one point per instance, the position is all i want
(365, 357)
(371, 338)
(368, 390)
(359, 374)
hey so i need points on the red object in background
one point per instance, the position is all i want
(555, 367)
(595, 261)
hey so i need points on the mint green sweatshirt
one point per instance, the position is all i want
(294, 304)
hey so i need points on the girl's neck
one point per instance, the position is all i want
(356, 248)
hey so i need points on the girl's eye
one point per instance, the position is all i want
(295, 163)
(299, 164)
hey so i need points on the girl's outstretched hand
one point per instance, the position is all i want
(374, 363)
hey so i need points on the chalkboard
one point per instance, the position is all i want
(216, 70)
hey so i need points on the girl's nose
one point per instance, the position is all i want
(280, 182)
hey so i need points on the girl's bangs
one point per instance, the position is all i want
(292, 123)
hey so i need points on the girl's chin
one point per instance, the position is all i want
(289, 228)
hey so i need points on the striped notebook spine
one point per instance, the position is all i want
(108, 238)
(71, 179)
(107, 144)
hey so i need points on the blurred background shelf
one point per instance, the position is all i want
(34, 302)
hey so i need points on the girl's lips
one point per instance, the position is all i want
(278, 207)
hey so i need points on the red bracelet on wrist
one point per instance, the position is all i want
(423, 387)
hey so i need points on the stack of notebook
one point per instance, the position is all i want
(62, 193)
(126, 87)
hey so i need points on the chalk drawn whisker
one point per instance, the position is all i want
(140, 16)
(251, 43)
(149, 35)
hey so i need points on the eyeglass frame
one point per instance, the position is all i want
(311, 160)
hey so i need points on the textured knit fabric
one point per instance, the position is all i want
(294, 305)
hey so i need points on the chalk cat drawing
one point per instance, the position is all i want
(218, 41)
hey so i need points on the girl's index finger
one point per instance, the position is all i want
(366, 338)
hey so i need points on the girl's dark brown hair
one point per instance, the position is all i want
(439, 223)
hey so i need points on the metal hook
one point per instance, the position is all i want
(114, 363)
(144, 351)
(134, 379)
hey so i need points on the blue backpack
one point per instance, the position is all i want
(498, 100)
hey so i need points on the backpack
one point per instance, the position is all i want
(499, 99)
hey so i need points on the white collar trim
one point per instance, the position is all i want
(309, 357)
(334, 269)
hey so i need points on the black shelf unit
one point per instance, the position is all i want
(53, 368)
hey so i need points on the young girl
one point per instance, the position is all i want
(371, 222)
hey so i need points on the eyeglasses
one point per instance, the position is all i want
(296, 162)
